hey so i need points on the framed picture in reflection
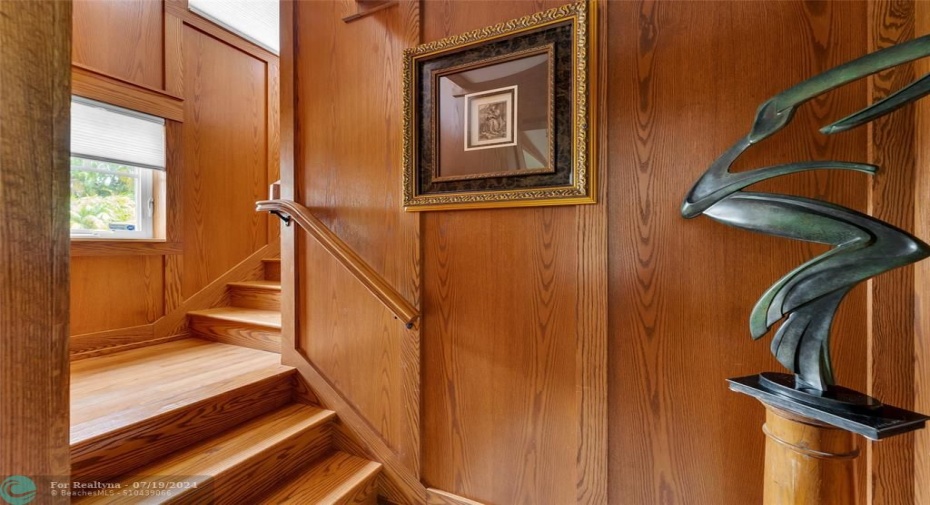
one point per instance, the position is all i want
(499, 117)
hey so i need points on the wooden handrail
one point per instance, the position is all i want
(289, 210)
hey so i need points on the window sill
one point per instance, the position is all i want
(97, 247)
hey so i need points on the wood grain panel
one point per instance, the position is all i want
(122, 38)
(225, 159)
(34, 177)
(922, 272)
(681, 291)
(499, 371)
(891, 304)
(509, 296)
(358, 344)
(110, 292)
(347, 171)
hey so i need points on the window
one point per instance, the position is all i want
(117, 155)
(255, 20)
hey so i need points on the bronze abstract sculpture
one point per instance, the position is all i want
(864, 246)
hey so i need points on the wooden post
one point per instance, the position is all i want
(807, 462)
(35, 88)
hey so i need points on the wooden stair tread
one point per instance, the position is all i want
(230, 459)
(258, 285)
(256, 317)
(272, 260)
(118, 390)
(340, 478)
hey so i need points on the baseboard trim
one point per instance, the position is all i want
(437, 497)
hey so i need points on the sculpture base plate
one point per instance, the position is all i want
(849, 410)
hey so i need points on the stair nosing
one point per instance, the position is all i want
(217, 469)
(209, 314)
(262, 285)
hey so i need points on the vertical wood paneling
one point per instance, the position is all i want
(922, 271)
(685, 81)
(891, 301)
(348, 129)
(500, 311)
(34, 135)
(225, 159)
(514, 347)
(110, 292)
(122, 38)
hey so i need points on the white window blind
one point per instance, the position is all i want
(112, 134)
(256, 20)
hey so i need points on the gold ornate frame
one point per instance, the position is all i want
(581, 189)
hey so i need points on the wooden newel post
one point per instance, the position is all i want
(807, 462)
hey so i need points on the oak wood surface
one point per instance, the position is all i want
(685, 81)
(437, 497)
(115, 292)
(194, 176)
(123, 38)
(34, 178)
(239, 464)
(258, 329)
(224, 152)
(357, 436)
(339, 479)
(96, 85)
(272, 269)
(115, 391)
(922, 272)
(807, 463)
(123, 449)
(514, 335)
(347, 168)
(891, 335)
(263, 295)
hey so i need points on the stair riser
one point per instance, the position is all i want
(250, 298)
(236, 333)
(273, 270)
(262, 473)
(129, 448)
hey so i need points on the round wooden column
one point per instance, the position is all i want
(807, 462)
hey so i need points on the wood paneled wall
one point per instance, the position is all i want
(512, 299)
(222, 155)
(519, 304)
(34, 136)
(348, 139)
(124, 39)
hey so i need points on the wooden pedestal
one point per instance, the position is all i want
(807, 462)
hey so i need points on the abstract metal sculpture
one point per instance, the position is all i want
(863, 246)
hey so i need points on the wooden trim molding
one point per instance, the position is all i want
(89, 345)
(174, 54)
(369, 7)
(437, 497)
(90, 247)
(34, 267)
(95, 85)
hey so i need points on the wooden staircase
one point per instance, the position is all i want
(215, 419)
(253, 317)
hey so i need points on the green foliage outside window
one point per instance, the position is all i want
(102, 195)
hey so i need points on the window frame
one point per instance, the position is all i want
(145, 204)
